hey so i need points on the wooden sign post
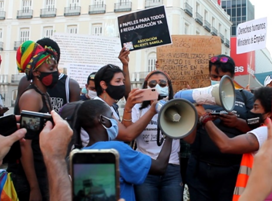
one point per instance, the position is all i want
(186, 61)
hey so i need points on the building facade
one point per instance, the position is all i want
(239, 11)
(22, 20)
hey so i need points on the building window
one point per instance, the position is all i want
(151, 62)
(205, 15)
(97, 29)
(48, 32)
(73, 3)
(98, 2)
(26, 6)
(1, 5)
(72, 29)
(24, 34)
(49, 4)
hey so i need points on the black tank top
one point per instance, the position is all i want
(37, 154)
(60, 93)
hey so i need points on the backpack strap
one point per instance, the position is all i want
(67, 92)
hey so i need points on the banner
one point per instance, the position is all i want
(251, 35)
(143, 29)
(83, 54)
(186, 61)
(244, 63)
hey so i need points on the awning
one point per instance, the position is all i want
(244, 80)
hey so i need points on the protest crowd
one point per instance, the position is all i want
(225, 157)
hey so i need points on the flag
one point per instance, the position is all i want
(7, 190)
(219, 2)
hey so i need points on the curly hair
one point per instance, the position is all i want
(264, 95)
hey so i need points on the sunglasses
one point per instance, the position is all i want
(91, 77)
(153, 83)
(221, 59)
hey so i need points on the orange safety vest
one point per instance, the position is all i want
(243, 175)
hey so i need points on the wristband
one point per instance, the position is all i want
(205, 118)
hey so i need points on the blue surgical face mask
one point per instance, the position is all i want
(213, 82)
(113, 130)
(163, 91)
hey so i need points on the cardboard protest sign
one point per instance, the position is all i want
(187, 60)
(251, 35)
(143, 29)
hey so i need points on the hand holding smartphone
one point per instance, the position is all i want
(95, 174)
(33, 122)
(148, 95)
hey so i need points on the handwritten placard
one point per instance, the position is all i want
(84, 54)
(186, 60)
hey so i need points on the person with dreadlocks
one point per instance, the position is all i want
(66, 90)
(40, 66)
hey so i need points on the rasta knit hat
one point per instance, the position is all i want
(31, 56)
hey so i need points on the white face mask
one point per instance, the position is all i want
(92, 94)
(213, 82)
(163, 91)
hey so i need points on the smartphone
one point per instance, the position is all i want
(33, 122)
(8, 125)
(219, 113)
(148, 94)
(95, 174)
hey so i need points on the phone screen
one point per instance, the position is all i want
(94, 176)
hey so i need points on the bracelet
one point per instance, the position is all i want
(127, 119)
(128, 111)
(205, 118)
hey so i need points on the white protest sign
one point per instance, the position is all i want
(84, 54)
(251, 35)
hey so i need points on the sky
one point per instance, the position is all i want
(263, 9)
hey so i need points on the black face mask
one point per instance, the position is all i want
(254, 120)
(116, 92)
(49, 79)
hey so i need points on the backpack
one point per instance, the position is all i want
(69, 113)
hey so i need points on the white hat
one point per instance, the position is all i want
(267, 80)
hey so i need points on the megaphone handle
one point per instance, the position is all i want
(159, 141)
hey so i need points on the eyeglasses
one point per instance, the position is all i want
(221, 59)
(153, 83)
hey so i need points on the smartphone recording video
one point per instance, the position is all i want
(33, 122)
(95, 174)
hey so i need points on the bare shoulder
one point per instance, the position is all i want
(30, 100)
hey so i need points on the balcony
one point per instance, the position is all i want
(151, 3)
(199, 19)
(72, 11)
(122, 7)
(227, 42)
(1, 46)
(2, 15)
(214, 31)
(188, 9)
(97, 9)
(48, 12)
(207, 26)
(25, 14)
(15, 78)
(222, 37)
(17, 44)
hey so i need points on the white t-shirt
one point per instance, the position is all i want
(260, 133)
(147, 140)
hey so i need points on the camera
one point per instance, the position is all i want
(34, 122)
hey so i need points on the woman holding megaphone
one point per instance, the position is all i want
(157, 187)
